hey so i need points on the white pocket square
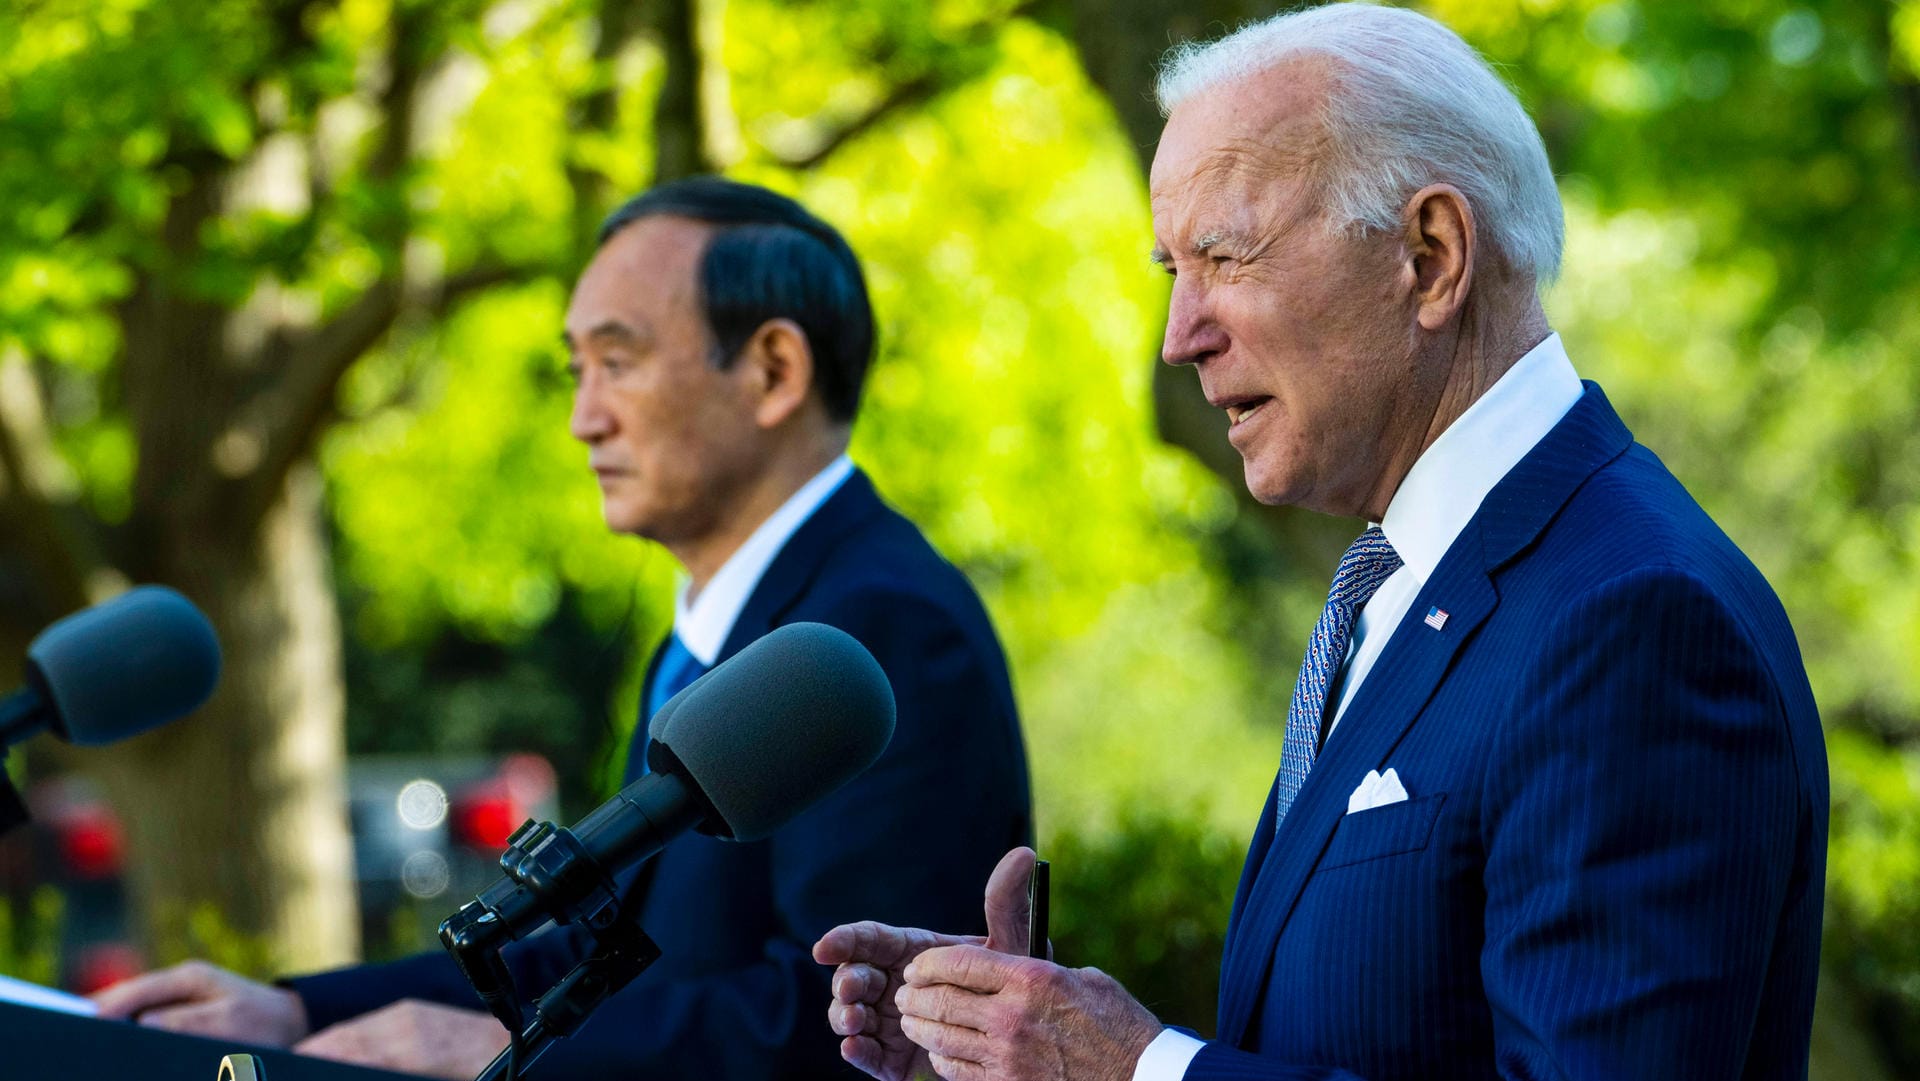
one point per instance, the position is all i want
(1377, 790)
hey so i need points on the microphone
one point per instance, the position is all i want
(115, 670)
(737, 754)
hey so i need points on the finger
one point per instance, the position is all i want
(162, 988)
(864, 1054)
(880, 944)
(852, 1019)
(947, 1004)
(954, 1069)
(1007, 905)
(975, 968)
(951, 1041)
(199, 1019)
(867, 941)
(341, 1043)
(858, 983)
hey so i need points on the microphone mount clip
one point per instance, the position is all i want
(549, 875)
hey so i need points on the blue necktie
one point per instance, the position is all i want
(677, 669)
(1368, 562)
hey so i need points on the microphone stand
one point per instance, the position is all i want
(547, 870)
(13, 809)
(20, 717)
(623, 952)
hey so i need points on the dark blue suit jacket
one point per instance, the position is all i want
(1611, 862)
(737, 994)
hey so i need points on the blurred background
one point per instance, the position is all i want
(281, 284)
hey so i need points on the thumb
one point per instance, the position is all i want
(1008, 907)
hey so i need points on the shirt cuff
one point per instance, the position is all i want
(1166, 1058)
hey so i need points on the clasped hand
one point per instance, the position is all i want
(911, 1003)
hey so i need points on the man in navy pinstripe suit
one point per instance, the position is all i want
(1553, 797)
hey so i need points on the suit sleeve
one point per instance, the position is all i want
(910, 841)
(1644, 828)
(342, 993)
(1644, 825)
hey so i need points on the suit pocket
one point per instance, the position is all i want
(1383, 831)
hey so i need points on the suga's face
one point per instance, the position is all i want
(669, 435)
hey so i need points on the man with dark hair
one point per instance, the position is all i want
(719, 341)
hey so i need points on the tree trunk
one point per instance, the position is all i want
(1120, 47)
(264, 844)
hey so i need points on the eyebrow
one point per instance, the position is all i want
(1199, 247)
(613, 329)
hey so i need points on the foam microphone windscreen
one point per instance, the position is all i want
(119, 668)
(772, 731)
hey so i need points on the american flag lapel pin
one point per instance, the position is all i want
(1437, 618)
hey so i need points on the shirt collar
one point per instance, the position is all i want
(703, 625)
(1446, 485)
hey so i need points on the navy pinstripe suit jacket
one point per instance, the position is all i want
(1611, 862)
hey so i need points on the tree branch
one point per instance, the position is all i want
(286, 421)
(595, 113)
(52, 540)
(1903, 81)
(1906, 94)
(914, 91)
(274, 421)
(679, 123)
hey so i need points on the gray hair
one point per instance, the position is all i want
(1411, 105)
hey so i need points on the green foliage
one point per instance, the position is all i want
(1146, 899)
(206, 934)
(1016, 319)
(1741, 179)
(30, 937)
(1873, 928)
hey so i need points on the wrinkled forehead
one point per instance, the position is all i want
(1242, 139)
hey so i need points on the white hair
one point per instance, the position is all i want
(1411, 104)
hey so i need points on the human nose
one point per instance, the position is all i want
(590, 420)
(1193, 334)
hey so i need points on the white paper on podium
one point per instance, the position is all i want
(22, 993)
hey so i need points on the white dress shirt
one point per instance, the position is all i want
(1440, 494)
(703, 623)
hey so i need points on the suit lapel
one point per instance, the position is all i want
(1381, 711)
(800, 559)
(1415, 660)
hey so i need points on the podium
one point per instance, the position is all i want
(42, 1045)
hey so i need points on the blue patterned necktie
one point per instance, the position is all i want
(1368, 562)
(677, 669)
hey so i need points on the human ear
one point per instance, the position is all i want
(1440, 245)
(778, 363)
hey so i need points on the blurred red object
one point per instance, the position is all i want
(486, 814)
(92, 845)
(103, 965)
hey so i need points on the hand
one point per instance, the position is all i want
(872, 958)
(982, 1015)
(415, 1037)
(198, 998)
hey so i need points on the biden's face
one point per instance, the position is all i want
(1299, 332)
(670, 436)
